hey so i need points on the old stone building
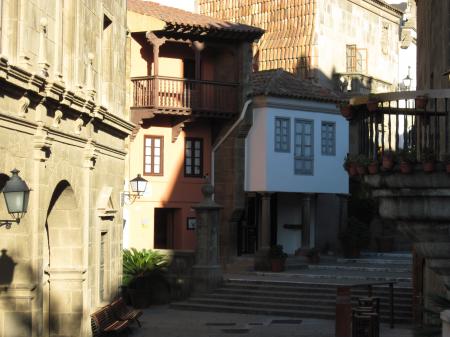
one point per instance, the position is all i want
(190, 80)
(348, 44)
(63, 124)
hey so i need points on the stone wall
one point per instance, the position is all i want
(433, 44)
(62, 125)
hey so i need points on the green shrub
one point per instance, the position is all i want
(140, 263)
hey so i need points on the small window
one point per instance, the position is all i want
(153, 155)
(304, 147)
(193, 158)
(328, 138)
(356, 59)
(282, 134)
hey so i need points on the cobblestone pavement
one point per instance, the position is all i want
(164, 322)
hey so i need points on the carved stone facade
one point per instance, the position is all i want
(63, 124)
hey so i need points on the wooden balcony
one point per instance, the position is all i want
(180, 96)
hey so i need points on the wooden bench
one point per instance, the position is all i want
(103, 321)
(124, 313)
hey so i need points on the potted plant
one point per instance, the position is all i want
(350, 165)
(421, 102)
(372, 104)
(346, 111)
(428, 159)
(388, 160)
(313, 255)
(361, 164)
(354, 237)
(407, 158)
(143, 276)
(277, 258)
(373, 166)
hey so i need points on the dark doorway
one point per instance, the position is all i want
(164, 228)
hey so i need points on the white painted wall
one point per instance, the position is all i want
(289, 211)
(267, 170)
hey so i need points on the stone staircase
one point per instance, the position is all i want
(310, 290)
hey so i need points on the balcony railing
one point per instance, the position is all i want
(399, 123)
(169, 93)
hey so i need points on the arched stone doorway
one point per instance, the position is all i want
(63, 260)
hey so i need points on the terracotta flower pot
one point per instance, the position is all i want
(421, 102)
(346, 112)
(388, 163)
(361, 169)
(372, 106)
(405, 167)
(428, 166)
(373, 168)
(277, 265)
(352, 170)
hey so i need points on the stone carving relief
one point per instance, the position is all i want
(78, 125)
(42, 144)
(24, 103)
(57, 118)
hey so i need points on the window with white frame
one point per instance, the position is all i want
(328, 138)
(304, 147)
(282, 134)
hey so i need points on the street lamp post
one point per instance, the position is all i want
(16, 193)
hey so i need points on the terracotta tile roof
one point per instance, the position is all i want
(280, 83)
(174, 17)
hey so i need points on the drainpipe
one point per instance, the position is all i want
(221, 140)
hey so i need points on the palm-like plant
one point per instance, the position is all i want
(139, 263)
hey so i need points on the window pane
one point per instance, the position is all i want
(148, 169)
(148, 151)
(188, 161)
(148, 142)
(157, 142)
(188, 144)
(197, 145)
(156, 169)
(148, 160)
(188, 170)
(157, 151)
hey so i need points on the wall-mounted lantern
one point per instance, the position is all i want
(17, 194)
(138, 186)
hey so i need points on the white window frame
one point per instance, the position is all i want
(278, 146)
(302, 157)
(327, 149)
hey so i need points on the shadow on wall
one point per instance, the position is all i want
(7, 266)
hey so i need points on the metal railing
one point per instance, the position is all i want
(399, 123)
(184, 94)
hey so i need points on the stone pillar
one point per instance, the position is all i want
(445, 317)
(262, 261)
(306, 221)
(207, 272)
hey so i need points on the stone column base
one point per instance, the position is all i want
(206, 278)
(262, 260)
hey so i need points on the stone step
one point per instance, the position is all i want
(367, 268)
(305, 287)
(395, 255)
(374, 261)
(264, 309)
(400, 304)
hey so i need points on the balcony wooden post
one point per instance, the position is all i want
(156, 43)
(198, 48)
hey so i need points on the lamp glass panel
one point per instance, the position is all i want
(134, 185)
(15, 201)
(141, 186)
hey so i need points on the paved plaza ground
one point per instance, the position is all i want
(161, 321)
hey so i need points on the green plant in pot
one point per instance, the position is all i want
(350, 165)
(428, 159)
(144, 276)
(277, 258)
(354, 237)
(362, 162)
(388, 160)
(407, 158)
